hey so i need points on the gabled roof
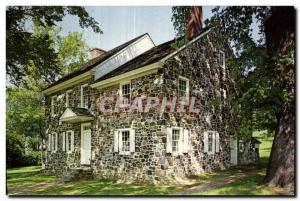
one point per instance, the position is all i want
(94, 62)
(153, 55)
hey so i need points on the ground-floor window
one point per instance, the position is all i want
(211, 142)
(52, 142)
(177, 140)
(124, 141)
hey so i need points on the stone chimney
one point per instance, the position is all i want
(194, 24)
(95, 52)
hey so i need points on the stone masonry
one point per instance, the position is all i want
(150, 163)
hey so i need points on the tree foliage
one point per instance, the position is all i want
(262, 43)
(23, 48)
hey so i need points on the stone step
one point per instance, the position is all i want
(80, 173)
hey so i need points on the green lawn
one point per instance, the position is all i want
(31, 181)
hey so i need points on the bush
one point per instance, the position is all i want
(32, 158)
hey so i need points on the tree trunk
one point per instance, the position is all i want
(280, 32)
(280, 170)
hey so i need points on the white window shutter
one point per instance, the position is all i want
(116, 141)
(213, 142)
(180, 142)
(56, 141)
(64, 141)
(169, 140)
(132, 140)
(49, 142)
(72, 141)
(185, 141)
(205, 136)
(217, 142)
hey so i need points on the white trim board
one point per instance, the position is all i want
(146, 70)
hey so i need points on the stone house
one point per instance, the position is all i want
(87, 134)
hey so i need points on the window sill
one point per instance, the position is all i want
(125, 153)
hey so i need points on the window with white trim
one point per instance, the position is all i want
(125, 91)
(84, 97)
(177, 140)
(68, 94)
(124, 141)
(52, 142)
(221, 59)
(183, 87)
(69, 141)
(53, 105)
(211, 142)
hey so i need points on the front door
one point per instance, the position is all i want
(233, 150)
(86, 143)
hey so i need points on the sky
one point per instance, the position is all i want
(122, 23)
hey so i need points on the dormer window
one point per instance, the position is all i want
(53, 105)
(221, 59)
(85, 98)
(183, 86)
(125, 91)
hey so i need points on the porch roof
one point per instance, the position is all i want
(75, 115)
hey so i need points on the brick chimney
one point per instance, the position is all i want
(95, 52)
(194, 24)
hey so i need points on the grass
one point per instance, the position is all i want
(31, 181)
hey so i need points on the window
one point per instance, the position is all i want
(177, 140)
(52, 142)
(68, 141)
(125, 89)
(221, 59)
(53, 105)
(124, 141)
(85, 97)
(183, 87)
(68, 94)
(211, 142)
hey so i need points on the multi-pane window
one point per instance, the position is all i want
(221, 59)
(125, 141)
(53, 105)
(126, 92)
(85, 97)
(175, 140)
(211, 142)
(68, 94)
(183, 87)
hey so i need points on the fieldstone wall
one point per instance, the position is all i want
(60, 161)
(150, 162)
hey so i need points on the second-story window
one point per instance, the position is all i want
(68, 94)
(53, 105)
(125, 89)
(84, 96)
(183, 86)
